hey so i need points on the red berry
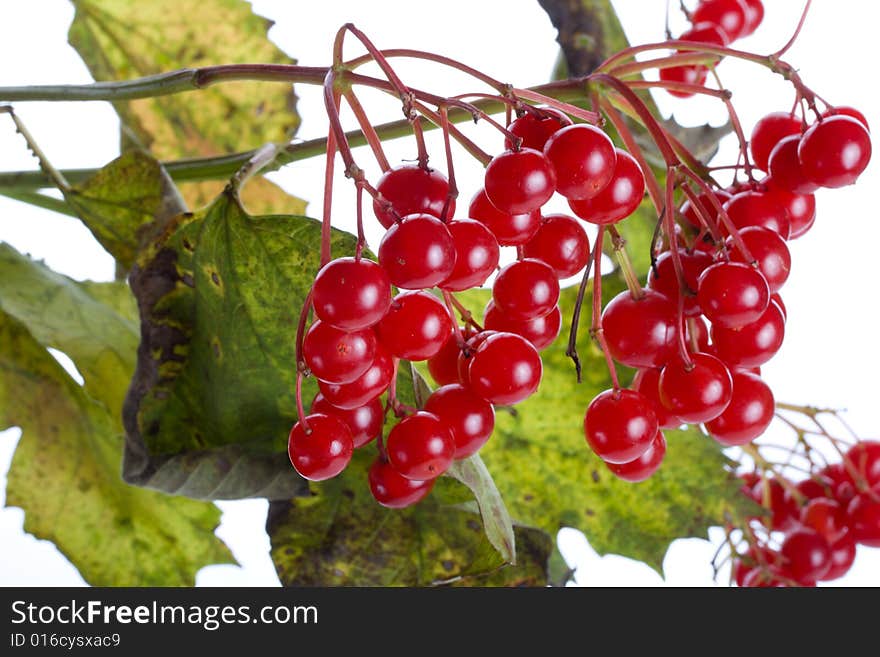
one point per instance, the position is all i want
(754, 16)
(645, 465)
(518, 182)
(393, 490)
(620, 425)
(732, 294)
(835, 151)
(843, 555)
(443, 366)
(696, 394)
(863, 458)
(420, 446)
(729, 15)
(753, 208)
(416, 327)
(363, 389)
(465, 355)
(690, 213)
(338, 356)
(365, 421)
(769, 251)
(784, 512)
(767, 132)
(688, 74)
(619, 198)
(785, 168)
(541, 331)
(663, 279)
(847, 111)
(536, 127)
(562, 243)
(583, 157)
(749, 413)
(504, 369)
(800, 208)
(351, 293)
(863, 512)
(640, 332)
(508, 229)
(807, 555)
(646, 382)
(826, 517)
(418, 252)
(705, 32)
(753, 344)
(526, 289)
(412, 190)
(471, 419)
(476, 255)
(324, 450)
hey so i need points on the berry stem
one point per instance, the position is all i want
(737, 126)
(331, 98)
(300, 410)
(54, 174)
(669, 226)
(779, 53)
(361, 239)
(572, 351)
(450, 302)
(702, 213)
(538, 97)
(452, 194)
(596, 330)
(372, 138)
(626, 267)
(466, 316)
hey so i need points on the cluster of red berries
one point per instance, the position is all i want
(360, 332)
(714, 23)
(717, 382)
(820, 520)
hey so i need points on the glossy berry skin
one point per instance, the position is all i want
(365, 422)
(620, 425)
(508, 229)
(619, 198)
(732, 294)
(583, 157)
(338, 356)
(394, 491)
(471, 419)
(416, 326)
(784, 513)
(443, 366)
(690, 213)
(476, 255)
(541, 331)
(412, 190)
(835, 151)
(645, 465)
(663, 279)
(753, 344)
(640, 332)
(753, 208)
(863, 512)
(807, 555)
(843, 555)
(785, 168)
(827, 517)
(754, 16)
(466, 355)
(536, 127)
(646, 382)
(351, 294)
(863, 458)
(526, 289)
(697, 395)
(770, 252)
(800, 208)
(749, 413)
(562, 243)
(729, 15)
(767, 133)
(504, 369)
(420, 446)
(518, 182)
(363, 389)
(418, 252)
(323, 451)
(851, 112)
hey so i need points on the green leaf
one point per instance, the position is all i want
(549, 478)
(221, 297)
(340, 536)
(124, 39)
(65, 475)
(126, 204)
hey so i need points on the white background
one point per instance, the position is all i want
(830, 357)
